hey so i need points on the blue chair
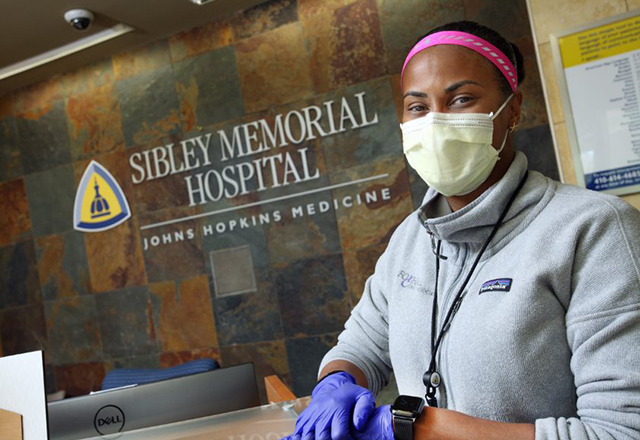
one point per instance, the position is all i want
(132, 376)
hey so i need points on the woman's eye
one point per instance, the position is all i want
(418, 108)
(461, 100)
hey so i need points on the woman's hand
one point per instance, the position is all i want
(380, 426)
(337, 405)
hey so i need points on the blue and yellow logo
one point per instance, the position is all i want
(100, 203)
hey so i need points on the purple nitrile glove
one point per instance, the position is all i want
(380, 426)
(337, 405)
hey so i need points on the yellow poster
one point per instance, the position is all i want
(600, 42)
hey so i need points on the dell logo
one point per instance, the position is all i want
(109, 420)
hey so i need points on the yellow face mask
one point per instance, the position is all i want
(452, 152)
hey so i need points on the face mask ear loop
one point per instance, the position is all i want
(504, 104)
(504, 142)
(492, 116)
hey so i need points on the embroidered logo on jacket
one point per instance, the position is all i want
(500, 285)
(408, 281)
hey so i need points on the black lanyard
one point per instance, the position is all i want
(431, 377)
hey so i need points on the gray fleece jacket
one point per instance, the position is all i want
(555, 343)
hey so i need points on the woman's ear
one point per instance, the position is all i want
(515, 105)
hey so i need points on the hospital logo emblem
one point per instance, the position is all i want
(100, 203)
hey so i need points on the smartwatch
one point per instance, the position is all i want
(405, 410)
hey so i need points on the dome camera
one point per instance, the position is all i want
(80, 19)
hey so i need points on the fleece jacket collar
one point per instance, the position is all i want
(473, 223)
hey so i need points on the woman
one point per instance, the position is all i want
(509, 301)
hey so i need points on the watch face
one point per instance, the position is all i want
(407, 406)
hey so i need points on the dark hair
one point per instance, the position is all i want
(493, 37)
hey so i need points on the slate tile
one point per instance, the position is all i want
(173, 251)
(33, 100)
(304, 356)
(63, 268)
(203, 101)
(151, 361)
(404, 22)
(149, 107)
(308, 233)
(183, 314)
(51, 196)
(310, 8)
(10, 159)
(377, 135)
(249, 317)
(6, 106)
(79, 379)
(200, 39)
(537, 144)
(50, 379)
(313, 296)
(397, 95)
(345, 46)
(44, 140)
(157, 193)
(126, 323)
(19, 275)
(378, 206)
(115, 258)
(171, 359)
(252, 236)
(15, 223)
(87, 78)
(94, 122)
(72, 327)
(23, 329)
(268, 358)
(511, 20)
(359, 265)
(140, 60)
(273, 68)
(263, 17)
(534, 111)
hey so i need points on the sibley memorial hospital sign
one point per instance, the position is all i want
(249, 158)
(243, 162)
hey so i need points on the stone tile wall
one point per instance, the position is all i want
(99, 301)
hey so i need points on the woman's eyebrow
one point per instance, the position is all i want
(459, 84)
(416, 94)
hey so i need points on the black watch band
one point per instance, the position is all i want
(403, 428)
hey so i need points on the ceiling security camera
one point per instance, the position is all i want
(80, 19)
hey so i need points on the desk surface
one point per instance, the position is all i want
(268, 422)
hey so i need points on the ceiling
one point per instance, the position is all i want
(31, 27)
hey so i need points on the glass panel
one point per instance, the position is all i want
(268, 422)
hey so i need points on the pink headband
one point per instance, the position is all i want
(483, 47)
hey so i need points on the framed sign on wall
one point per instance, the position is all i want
(598, 68)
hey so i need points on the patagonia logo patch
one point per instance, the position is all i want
(499, 285)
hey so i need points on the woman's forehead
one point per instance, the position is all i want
(448, 63)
